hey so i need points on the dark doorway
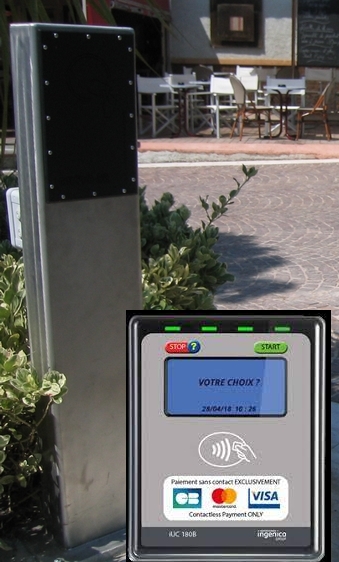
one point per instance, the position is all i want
(148, 40)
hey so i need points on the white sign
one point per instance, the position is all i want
(226, 498)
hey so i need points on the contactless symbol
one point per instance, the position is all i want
(187, 498)
(227, 495)
(225, 449)
(193, 346)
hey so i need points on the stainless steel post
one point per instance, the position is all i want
(74, 92)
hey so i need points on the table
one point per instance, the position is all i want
(285, 88)
(182, 90)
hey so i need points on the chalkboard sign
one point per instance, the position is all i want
(318, 33)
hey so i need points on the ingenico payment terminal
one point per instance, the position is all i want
(226, 438)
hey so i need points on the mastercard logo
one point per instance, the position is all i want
(227, 495)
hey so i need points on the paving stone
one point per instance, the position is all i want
(279, 239)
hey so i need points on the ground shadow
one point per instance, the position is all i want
(248, 260)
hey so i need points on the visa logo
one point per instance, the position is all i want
(263, 499)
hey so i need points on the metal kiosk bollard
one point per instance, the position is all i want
(226, 431)
(75, 115)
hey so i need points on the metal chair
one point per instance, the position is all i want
(156, 106)
(316, 113)
(246, 108)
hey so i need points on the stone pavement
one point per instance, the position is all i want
(279, 239)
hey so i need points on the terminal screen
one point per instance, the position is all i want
(225, 386)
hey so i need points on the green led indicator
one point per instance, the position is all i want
(172, 328)
(282, 328)
(245, 329)
(209, 328)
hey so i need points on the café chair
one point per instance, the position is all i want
(317, 113)
(250, 79)
(261, 114)
(156, 109)
(203, 72)
(214, 108)
(263, 74)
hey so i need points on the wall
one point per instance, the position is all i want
(190, 42)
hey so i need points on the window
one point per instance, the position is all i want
(236, 22)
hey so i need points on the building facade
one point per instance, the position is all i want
(232, 32)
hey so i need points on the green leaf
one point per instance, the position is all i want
(3, 457)
(4, 311)
(252, 172)
(8, 479)
(4, 440)
(8, 295)
(204, 203)
(22, 480)
(35, 459)
(10, 364)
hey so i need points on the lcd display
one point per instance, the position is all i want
(225, 386)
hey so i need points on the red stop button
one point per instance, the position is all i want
(177, 347)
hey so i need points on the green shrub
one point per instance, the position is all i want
(20, 446)
(24, 397)
(13, 316)
(180, 269)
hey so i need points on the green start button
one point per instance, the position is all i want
(270, 347)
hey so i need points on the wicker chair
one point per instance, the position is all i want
(317, 113)
(246, 108)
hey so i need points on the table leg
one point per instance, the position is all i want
(287, 134)
(183, 115)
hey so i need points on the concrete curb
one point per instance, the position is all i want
(111, 547)
(278, 147)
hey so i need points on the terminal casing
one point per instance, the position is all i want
(226, 439)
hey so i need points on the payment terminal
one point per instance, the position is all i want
(226, 438)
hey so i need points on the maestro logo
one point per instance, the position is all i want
(224, 496)
(187, 498)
